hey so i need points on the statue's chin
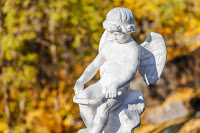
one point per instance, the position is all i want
(121, 41)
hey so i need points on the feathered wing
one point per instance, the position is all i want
(153, 54)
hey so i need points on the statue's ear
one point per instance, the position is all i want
(104, 38)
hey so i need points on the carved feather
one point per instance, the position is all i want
(153, 54)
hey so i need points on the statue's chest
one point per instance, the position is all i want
(117, 52)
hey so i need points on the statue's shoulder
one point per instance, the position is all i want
(107, 44)
(133, 43)
(134, 46)
(105, 47)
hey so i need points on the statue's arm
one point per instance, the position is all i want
(92, 68)
(90, 71)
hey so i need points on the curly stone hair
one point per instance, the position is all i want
(120, 19)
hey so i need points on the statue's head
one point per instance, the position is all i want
(119, 22)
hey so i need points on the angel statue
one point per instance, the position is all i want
(108, 106)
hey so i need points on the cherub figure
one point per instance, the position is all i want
(118, 60)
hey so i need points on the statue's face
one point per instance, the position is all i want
(120, 37)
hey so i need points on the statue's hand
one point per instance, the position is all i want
(111, 92)
(79, 86)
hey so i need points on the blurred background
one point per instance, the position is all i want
(45, 45)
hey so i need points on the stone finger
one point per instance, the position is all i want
(106, 95)
(110, 94)
(114, 95)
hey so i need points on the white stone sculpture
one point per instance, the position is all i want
(108, 106)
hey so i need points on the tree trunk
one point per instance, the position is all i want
(22, 102)
(7, 107)
(54, 61)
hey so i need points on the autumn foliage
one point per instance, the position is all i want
(45, 45)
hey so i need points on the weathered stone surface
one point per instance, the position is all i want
(127, 117)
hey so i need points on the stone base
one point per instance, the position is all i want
(127, 117)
